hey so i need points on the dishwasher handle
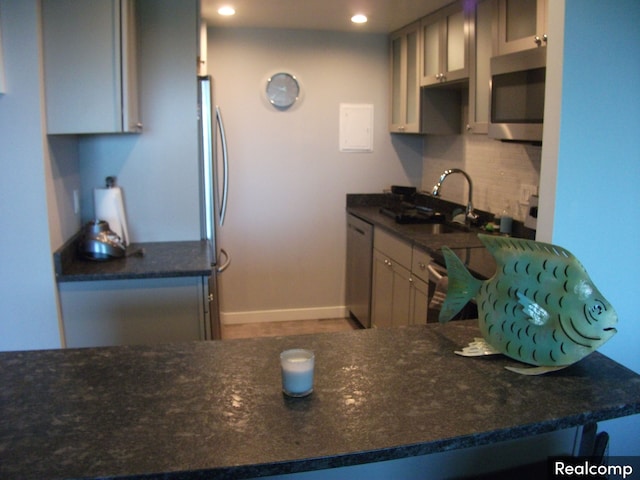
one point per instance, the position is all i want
(437, 275)
(358, 226)
(358, 230)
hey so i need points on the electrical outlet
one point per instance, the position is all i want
(526, 191)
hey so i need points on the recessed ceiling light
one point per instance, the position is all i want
(227, 11)
(359, 18)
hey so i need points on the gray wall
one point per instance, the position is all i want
(286, 222)
(157, 170)
(592, 169)
(27, 284)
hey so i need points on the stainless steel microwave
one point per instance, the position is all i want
(517, 95)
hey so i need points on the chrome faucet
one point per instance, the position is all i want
(470, 215)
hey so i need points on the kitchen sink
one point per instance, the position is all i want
(442, 228)
(427, 220)
(413, 214)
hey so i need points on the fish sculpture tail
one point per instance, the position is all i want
(462, 286)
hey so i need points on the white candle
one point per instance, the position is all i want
(297, 372)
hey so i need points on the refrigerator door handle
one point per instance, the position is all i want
(225, 166)
(226, 263)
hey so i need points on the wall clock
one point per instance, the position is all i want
(283, 90)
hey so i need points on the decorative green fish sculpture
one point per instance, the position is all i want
(540, 307)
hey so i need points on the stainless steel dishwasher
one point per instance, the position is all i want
(359, 264)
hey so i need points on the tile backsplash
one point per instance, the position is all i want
(498, 170)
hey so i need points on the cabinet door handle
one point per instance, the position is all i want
(539, 40)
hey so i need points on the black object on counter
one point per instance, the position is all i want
(99, 242)
(412, 214)
(400, 190)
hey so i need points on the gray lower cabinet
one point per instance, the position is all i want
(391, 292)
(418, 301)
(420, 261)
(136, 311)
(398, 296)
(400, 285)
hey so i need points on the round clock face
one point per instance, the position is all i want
(282, 90)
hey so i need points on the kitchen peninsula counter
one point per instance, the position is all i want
(159, 260)
(216, 410)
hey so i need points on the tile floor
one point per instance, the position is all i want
(294, 327)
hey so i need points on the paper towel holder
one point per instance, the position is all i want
(109, 206)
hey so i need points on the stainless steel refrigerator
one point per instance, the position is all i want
(214, 190)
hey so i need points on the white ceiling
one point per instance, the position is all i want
(384, 15)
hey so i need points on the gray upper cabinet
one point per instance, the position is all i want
(405, 85)
(481, 47)
(90, 66)
(521, 25)
(445, 46)
(455, 44)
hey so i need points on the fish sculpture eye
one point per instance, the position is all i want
(597, 308)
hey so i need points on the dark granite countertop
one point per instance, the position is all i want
(465, 243)
(418, 234)
(215, 409)
(160, 260)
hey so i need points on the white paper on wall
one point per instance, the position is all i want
(356, 127)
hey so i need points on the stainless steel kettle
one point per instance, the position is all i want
(98, 242)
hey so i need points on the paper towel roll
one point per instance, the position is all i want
(109, 206)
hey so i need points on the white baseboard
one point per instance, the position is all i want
(257, 316)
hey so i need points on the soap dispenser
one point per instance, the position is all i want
(506, 220)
